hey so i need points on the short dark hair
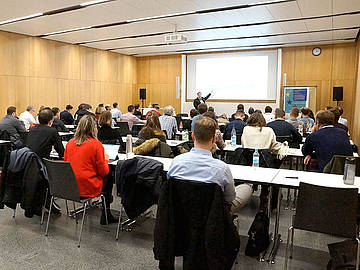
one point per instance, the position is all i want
(251, 110)
(45, 116)
(268, 109)
(211, 109)
(193, 113)
(137, 106)
(115, 104)
(131, 108)
(279, 113)
(336, 113)
(305, 111)
(325, 117)
(210, 114)
(340, 110)
(69, 107)
(11, 110)
(202, 108)
(295, 112)
(87, 106)
(328, 107)
(240, 107)
(205, 129)
(55, 110)
(239, 113)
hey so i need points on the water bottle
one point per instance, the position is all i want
(256, 158)
(233, 136)
(181, 126)
(129, 147)
(349, 171)
(186, 135)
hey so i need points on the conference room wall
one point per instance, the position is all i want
(158, 75)
(44, 72)
(336, 66)
(356, 118)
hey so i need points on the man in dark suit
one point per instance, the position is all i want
(326, 141)
(238, 123)
(66, 115)
(283, 128)
(200, 99)
(13, 126)
(57, 123)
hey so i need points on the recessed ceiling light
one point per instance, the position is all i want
(66, 31)
(94, 2)
(21, 18)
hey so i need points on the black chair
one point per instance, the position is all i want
(136, 129)
(187, 124)
(123, 128)
(337, 164)
(288, 139)
(63, 185)
(325, 210)
(182, 115)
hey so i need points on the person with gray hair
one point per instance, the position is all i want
(168, 122)
(27, 117)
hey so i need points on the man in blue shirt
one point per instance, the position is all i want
(202, 108)
(199, 165)
(238, 123)
(326, 141)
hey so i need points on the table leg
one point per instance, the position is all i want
(277, 236)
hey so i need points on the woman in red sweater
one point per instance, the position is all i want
(89, 162)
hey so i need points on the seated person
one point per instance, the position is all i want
(240, 107)
(193, 113)
(305, 117)
(84, 109)
(154, 110)
(137, 111)
(337, 114)
(238, 123)
(66, 115)
(293, 120)
(107, 134)
(89, 162)
(153, 125)
(326, 141)
(341, 120)
(202, 108)
(115, 112)
(168, 122)
(57, 123)
(199, 165)
(218, 138)
(27, 117)
(268, 115)
(13, 126)
(251, 111)
(43, 137)
(130, 118)
(257, 136)
(283, 128)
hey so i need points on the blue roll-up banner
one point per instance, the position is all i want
(295, 97)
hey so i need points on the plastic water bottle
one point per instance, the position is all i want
(349, 171)
(233, 136)
(256, 158)
(185, 135)
(129, 147)
(301, 129)
(181, 126)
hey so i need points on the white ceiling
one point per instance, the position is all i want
(270, 33)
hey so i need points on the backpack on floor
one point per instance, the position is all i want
(259, 238)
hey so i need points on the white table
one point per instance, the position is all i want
(230, 148)
(70, 126)
(172, 143)
(66, 133)
(4, 142)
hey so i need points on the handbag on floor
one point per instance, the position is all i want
(343, 255)
(259, 238)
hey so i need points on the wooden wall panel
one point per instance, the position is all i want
(336, 66)
(356, 118)
(43, 72)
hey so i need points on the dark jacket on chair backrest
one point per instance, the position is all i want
(193, 221)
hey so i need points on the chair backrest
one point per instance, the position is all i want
(327, 210)
(123, 128)
(288, 139)
(337, 164)
(62, 180)
(136, 129)
(182, 115)
(167, 137)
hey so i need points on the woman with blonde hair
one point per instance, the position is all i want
(107, 134)
(89, 162)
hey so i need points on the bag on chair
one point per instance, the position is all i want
(343, 255)
(259, 238)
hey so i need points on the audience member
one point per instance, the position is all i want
(342, 120)
(268, 115)
(326, 141)
(238, 123)
(168, 122)
(57, 123)
(43, 137)
(28, 116)
(211, 109)
(251, 111)
(99, 109)
(66, 115)
(152, 129)
(311, 115)
(293, 120)
(37, 116)
(154, 110)
(202, 108)
(283, 128)
(257, 136)
(193, 113)
(337, 114)
(199, 165)
(84, 109)
(328, 108)
(90, 164)
(137, 111)
(115, 112)
(108, 107)
(107, 134)
(130, 118)
(240, 107)
(199, 99)
(13, 126)
(218, 137)
(305, 117)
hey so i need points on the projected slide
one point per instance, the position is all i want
(240, 76)
(295, 97)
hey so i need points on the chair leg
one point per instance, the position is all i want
(118, 225)
(287, 246)
(76, 220)
(67, 208)
(48, 220)
(357, 254)
(105, 209)
(292, 243)
(82, 223)
(43, 208)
